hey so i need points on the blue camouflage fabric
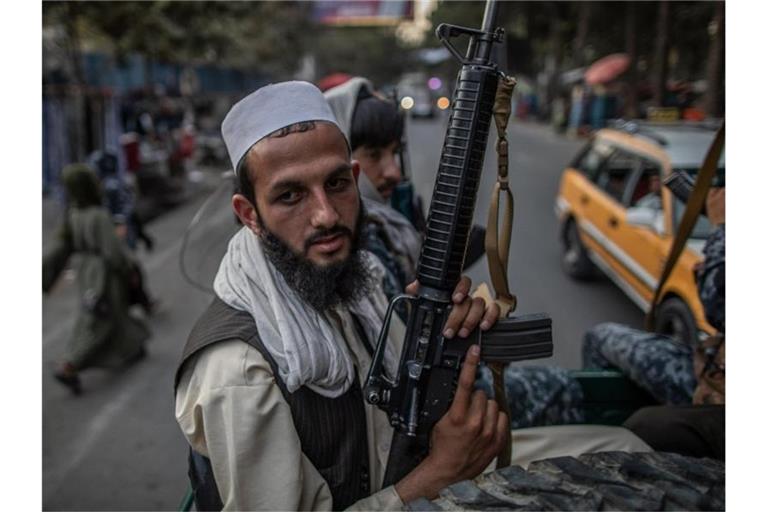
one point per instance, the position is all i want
(659, 364)
(373, 239)
(538, 395)
(548, 395)
(711, 279)
(542, 395)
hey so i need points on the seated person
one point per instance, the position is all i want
(696, 426)
(653, 198)
(662, 366)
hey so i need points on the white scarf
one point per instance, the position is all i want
(307, 347)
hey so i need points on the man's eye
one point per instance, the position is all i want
(338, 183)
(374, 154)
(289, 197)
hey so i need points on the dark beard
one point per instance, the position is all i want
(322, 287)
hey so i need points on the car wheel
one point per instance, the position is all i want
(674, 319)
(575, 259)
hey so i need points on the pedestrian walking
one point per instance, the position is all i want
(105, 332)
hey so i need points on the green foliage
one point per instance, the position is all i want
(269, 36)
(272, 37)
(538, 30)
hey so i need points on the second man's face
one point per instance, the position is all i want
(306, 193)
(381, 166)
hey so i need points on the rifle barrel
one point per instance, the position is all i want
(489, 17)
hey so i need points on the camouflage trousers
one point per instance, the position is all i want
(548, 395)
(656, 363)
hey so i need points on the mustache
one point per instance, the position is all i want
(390, 182)
(324, 233)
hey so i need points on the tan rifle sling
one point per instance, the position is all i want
(497, 243)
(695, 203)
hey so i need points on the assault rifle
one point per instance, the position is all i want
(422, 391)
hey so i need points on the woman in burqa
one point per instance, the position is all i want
(105, 334)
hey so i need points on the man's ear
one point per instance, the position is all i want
(355, 169)
(246, 212)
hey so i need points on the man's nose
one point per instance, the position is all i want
(324, 214)
(392, 170)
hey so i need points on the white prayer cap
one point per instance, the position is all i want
(268, 109)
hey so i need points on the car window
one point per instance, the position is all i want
(592, 158)
(614, 175)
(645, 191)
(702, 228)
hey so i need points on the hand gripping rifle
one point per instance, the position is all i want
(422, 391)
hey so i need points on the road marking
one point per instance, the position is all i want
(82, 445)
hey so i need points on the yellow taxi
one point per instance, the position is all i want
(615, 215)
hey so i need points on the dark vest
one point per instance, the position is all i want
(332, 430)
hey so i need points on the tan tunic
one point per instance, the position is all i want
(231, 410)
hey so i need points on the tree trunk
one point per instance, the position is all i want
(661, 54)
(582, 30)
(78, 137)
(554, 61)
(630, 109)
(714, 104)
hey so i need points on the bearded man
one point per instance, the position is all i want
(269, 391)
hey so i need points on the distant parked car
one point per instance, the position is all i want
(615, 215)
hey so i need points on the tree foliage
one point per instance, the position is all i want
(268, 36)
(539, 30)
(545, 38)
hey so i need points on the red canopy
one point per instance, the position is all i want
(332, 80)
(606, 69)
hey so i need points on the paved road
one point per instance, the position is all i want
(117, 447)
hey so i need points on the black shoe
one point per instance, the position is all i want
(70, 381)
